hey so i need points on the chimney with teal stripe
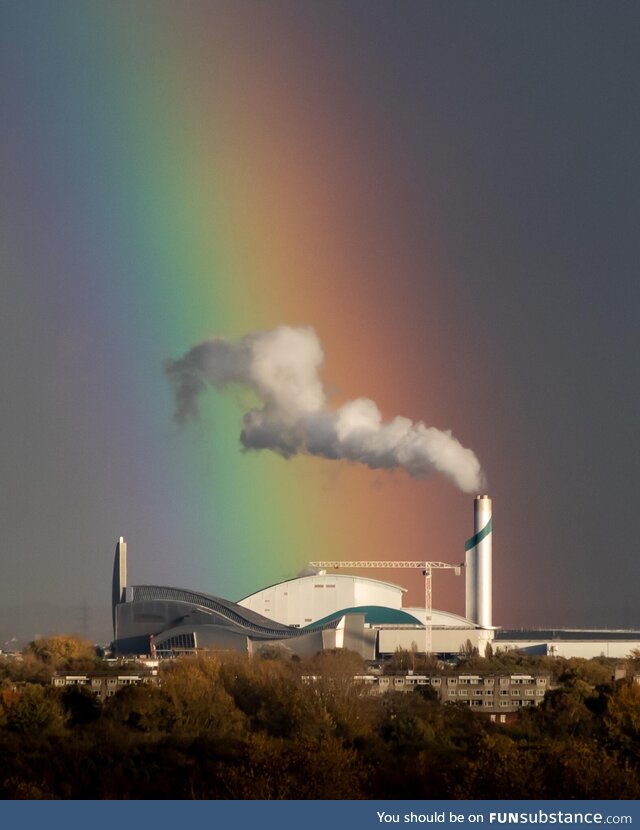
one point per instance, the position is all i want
(478, 565)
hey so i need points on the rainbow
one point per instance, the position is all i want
(208, 182)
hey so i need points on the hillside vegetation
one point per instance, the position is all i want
(240, 728)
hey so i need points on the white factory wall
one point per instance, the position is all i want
(444, 641)
(571, 648)
(309, 598)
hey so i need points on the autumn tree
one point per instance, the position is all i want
(584, 769)
(403, 660)
(307, 768)
(273, 696)
(199, 703)
(499, 768)
(632, 662)
(344, 701)
(63, 652)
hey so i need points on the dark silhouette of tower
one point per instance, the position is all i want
(119, 579)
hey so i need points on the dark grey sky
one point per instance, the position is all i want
(508, 139)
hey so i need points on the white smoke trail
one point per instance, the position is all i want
(282, 367)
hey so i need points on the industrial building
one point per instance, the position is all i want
(570, 642)
(327, 609)
(310, 613)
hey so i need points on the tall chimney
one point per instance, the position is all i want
(478, 564)
(119, 579)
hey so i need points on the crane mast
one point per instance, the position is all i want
(426, 567)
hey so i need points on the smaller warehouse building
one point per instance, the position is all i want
(558, 642)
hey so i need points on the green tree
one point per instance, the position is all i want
(33, 711)
(405, 724)
(596, 672)
(144, 708)
(80, 706)
(622, 719)
(569, 709)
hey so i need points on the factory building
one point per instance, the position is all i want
(307, 599)
(307, 614)
(162, 620)
(586, 643)
(329, 610)
(315, 599)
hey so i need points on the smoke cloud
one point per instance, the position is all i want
(282, 367)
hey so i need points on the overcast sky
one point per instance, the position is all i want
(486, 157)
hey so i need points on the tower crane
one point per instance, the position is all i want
(426, 567)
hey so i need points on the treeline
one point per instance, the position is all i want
(239, 728)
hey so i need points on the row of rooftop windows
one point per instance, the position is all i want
(518, 680)
(83, 680)
(504, 704)
(503, 693)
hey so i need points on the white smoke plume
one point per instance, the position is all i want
(282, 367)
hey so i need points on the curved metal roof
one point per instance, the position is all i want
(373, 615)
(332, 575)
(243, 619)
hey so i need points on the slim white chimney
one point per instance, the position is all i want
(478, 564)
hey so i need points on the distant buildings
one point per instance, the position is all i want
(103, 685)
(491, 694)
